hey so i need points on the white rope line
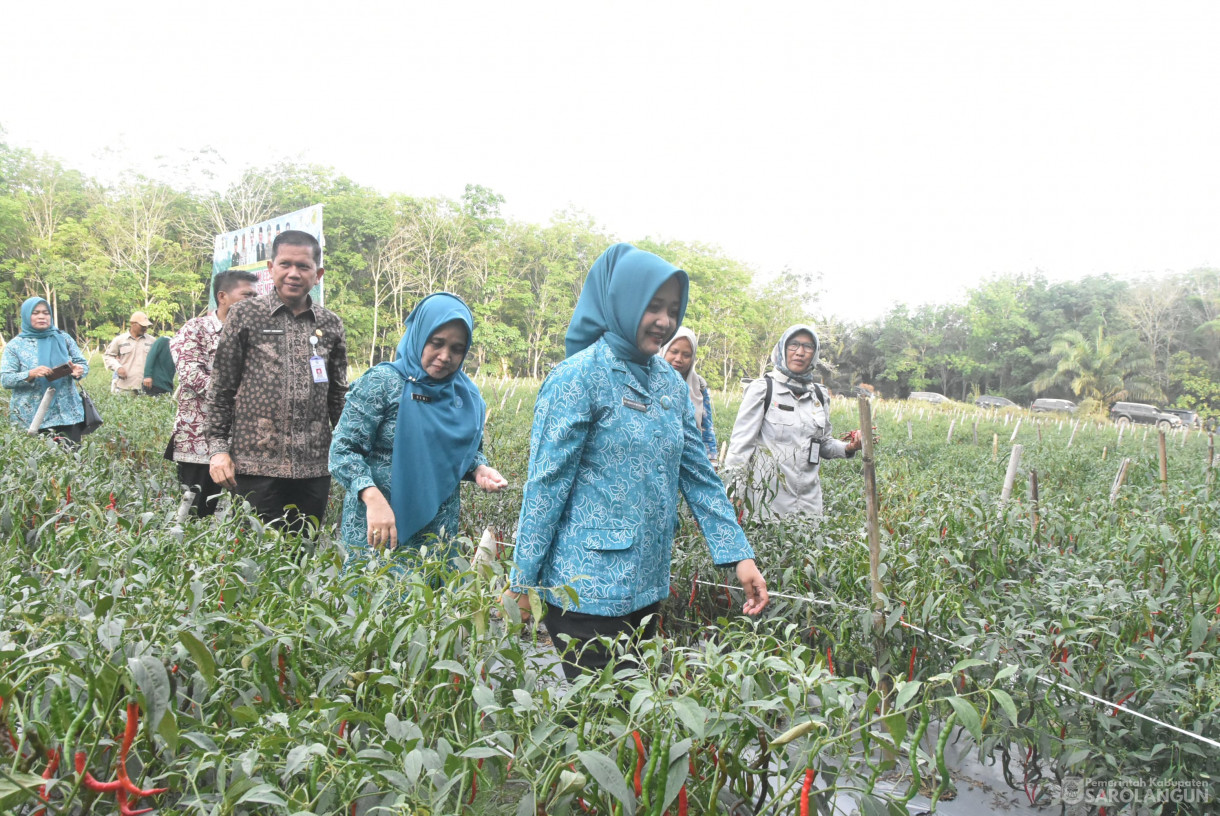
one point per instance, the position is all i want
(1038, 677)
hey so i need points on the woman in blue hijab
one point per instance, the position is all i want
(410, 432)
(42, 357)
(614, 441)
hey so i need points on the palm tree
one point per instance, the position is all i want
(1107, 370)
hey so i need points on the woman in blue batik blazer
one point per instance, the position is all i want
(29, 358)
(411, 431)
(614, 440)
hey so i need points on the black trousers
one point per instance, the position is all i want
(271, 497)
(198, 477)
(585, 656)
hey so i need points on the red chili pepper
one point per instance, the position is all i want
(52, 766)
(88, 780)
(1120, 702)
(129, 736)
(474, 784)
(830, 661)
(126, 809)
(639, 763)
(283, 672)
(911, 668)
(342, 732)
(805, 789)
(694, 587)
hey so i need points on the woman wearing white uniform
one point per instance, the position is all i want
(782, 433)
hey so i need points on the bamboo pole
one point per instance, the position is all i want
(995, 447)
(1075, 427)
(1103, 452)
(976, 433)
(872, 516)
(1039, 431)
(1014, 461)
(47, 397)
(1015, 431)
(1121, 428)
(909, 432)
(949, 438)
(1119, 478)
(1164, 464)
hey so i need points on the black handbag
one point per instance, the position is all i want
(93, 419)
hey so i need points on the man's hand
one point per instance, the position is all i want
(122, 372)
(221, 469)
(752, 582)
(489, 479)
(382, 528)
(148, 382)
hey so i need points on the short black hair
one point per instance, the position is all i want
(227, 281)
(299, 239)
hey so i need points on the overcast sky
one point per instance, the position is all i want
(904, 151)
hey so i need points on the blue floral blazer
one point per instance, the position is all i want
(608, 457)
(21, 355)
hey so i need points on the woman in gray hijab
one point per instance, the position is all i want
(782, 433)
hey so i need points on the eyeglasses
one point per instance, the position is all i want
(809, 347)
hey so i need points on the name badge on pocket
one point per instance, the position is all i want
(815, 451)
(317, 366)
(633, 405)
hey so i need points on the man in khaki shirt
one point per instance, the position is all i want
(126, 355)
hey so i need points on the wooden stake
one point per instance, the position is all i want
(976, 433)
(1119, 478)
(995, 447)
(1075, 427)
(1015, 431)
(949, 438)
(1121, 428)
(1103, 453)
(872, 515)
(1039, 431)
(909, 434)
(1164, 464)
(1014, 461)
(1033, 503)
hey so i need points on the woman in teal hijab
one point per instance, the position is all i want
(411, 431)
(614, 442)
(38, 358)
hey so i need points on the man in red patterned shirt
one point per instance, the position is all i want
(194, 348)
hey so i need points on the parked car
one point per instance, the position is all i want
(989, 401)
(1189, 418)
(1124, 413)
(1045, 406)
(928, 396)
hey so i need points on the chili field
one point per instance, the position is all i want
(216, 667)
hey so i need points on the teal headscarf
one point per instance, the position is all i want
(621, 283)
(440, 422)
(52, 348)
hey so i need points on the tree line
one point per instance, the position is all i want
(97, 251)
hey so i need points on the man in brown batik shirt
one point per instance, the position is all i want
(278, 384)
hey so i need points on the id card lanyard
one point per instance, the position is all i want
(317, 365)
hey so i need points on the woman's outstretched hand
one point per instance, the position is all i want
(522, 601)
(755, 586)
(489, 479)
